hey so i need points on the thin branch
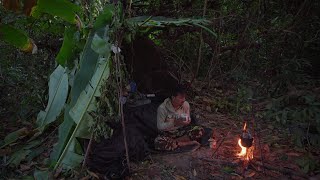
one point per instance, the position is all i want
(201, 40)
(129, 9)
(87, 151)
(120, 93)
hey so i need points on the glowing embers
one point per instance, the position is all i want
(245, 142)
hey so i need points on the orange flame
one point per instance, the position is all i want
(243, 149)
(247, 153)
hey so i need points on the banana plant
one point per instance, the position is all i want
(87, 102)
(94, 68)
(93, 71)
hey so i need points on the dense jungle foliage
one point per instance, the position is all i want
(266, 52)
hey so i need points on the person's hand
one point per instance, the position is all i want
(187, 121)
(179, 122)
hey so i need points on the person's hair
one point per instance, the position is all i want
(179, 89)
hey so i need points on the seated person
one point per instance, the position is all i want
(173, 122)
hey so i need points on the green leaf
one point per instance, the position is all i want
(61, 8)
(63, 136)
(105, 17)
(88, 84)
(58, 91)
(16, 37)
(22, 153)
(28, 178)
(227, 169)
(99, 45)
(160, 22)
(41, 175)
(88, 62)
(305, 168)
(32, 144)
(71, 160)
(68, 50)
(87, 102)
(207, 29)
(35, 153)
(14, 136)
(18, 156)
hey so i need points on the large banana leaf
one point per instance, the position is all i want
(85, 104)
(58, 91)
(63, 136)
(161, 22)
(88, 62)
(61, 8)
(16, 38)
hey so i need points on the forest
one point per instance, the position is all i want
(78, 78)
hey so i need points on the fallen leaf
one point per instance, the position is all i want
(93, 174)
(208, 108)
(24, 167)
(270, 127)
(6, 151)
(293, 154)
(266, 148)
(18, 156)
(14, 136)
(40, 175)
(178, 177)
(194, 172)
(249, 173)
(85, 178)
(207, 101)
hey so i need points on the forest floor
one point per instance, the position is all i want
(275, 155)
(222, 162)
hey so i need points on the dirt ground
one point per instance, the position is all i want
(222, 162)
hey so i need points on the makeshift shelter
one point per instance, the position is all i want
(108, 157)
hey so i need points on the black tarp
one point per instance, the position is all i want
(108, 156)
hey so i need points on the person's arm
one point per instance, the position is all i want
(164, 123)
(186, 109)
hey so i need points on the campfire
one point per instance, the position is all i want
(246, 143)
